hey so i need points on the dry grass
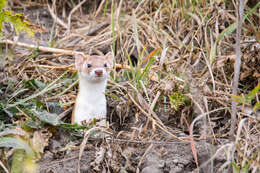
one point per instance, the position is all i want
(176, 64)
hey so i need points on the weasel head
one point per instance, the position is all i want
(94, 68)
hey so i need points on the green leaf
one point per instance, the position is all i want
(33, 83)
(17, 161)
(46, 117)
(247, 98)
(246, 167)
(39, 84)
(147, 68)
(256, 106)
(31, 124)
(113, 96)
(236, 168)
(73, 126)
(2, 4)
(240, 99)
(252, 93)
(1, 19)
(38, 103)
(23, 163)
(213, 49)
(49, 87)
(177, 99)
(18, 21)
(16, 143)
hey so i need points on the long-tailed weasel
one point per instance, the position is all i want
(93, 72)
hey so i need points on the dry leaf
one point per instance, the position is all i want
(39, 141)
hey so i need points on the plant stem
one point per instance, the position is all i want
(236, 68)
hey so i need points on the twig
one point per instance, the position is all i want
(60, 67)
(65, 113)
(147, 142)
(100, 8)
(55, 17)
(202, 115)
(73, 69)
(3, 166)
(72, 11)
(54, 50)
(158, 122)
(143, 156)
(41, 48)
(82, 147)
(236, 68)
(91, 30)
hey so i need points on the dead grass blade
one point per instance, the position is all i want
(153, 117)
(143, 156)
(82, 145)
(100, 8)
(154, 52)
(73, 11)
(55, 17)
(193, 147)
(4, 167)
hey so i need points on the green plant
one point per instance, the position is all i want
(140, 75)
(247, 99)
(18, 20)
(177, 99)
(237, 169)
(228, 31)
(24, 155)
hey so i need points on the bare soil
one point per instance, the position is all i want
(141, 149)
(106, 155)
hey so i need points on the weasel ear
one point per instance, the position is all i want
(79, 60)
(110, 58)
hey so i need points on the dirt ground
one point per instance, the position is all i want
(145, 150)
(117, 156)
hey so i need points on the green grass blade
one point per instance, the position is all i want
(252, 93)
(46, 89)
(228, 31)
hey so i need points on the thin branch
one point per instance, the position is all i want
(54, 50)
(236, 68)
(99, 8)
(72, 11)
(41, 48)
(3, 166)
(55, 17)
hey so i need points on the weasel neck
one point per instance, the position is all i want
(92, 89)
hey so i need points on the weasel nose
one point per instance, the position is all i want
(99, 72)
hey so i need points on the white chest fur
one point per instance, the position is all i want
(93, 72)
(91, 101)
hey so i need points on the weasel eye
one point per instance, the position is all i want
(89, 65)
(105, 65)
